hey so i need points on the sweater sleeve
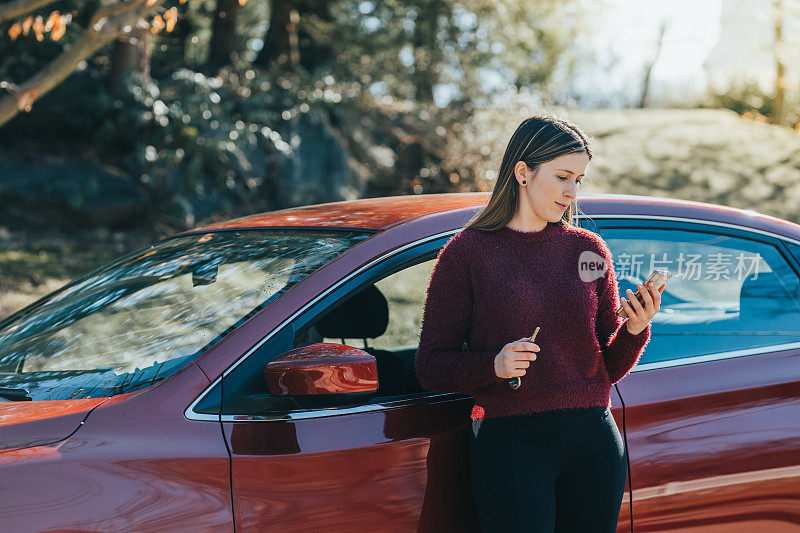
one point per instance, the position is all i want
(441, 363)
(621, 349)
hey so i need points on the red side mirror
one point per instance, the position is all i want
(323, 371)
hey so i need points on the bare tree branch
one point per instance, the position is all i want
(648, 70)
(108, 23)
(18, 8)
(114, 9)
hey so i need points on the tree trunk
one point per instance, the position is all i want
(776, 116)
(427, 55)
(314, 34)
(648, 70)
(183, 29)
(280, 42)
(223, 36)
(129, 54)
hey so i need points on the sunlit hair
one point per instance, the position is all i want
(538, 139)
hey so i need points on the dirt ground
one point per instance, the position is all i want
(33, 265)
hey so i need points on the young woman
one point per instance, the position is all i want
(547, 455)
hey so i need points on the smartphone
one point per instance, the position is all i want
(658, 278)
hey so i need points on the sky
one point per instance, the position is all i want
(694, 28)
(624, 37)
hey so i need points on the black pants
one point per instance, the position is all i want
(561, 470)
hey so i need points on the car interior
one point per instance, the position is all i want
(365, 316)
(763, 301)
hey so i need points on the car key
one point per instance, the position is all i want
(516, 381)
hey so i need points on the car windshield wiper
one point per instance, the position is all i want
(14, 395)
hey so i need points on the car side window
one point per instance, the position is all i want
(384, 319)
(726, 293)
(404, 292)
(378, 310)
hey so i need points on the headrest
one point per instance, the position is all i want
(762, 298)
(364, 316)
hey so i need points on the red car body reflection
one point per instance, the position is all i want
(330, 371)
(714, 445)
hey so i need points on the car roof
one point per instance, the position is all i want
(379, 214)
(366, 213)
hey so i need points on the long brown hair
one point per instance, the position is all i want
(536, 140)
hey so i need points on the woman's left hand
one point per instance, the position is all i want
(638, 316)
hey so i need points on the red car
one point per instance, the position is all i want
(258, 374)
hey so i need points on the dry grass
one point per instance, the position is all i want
(701, 154)
(33, 265)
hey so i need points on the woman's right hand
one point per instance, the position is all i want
(514, 358)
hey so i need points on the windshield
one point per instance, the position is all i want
(143, 317)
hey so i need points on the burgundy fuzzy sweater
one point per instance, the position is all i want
(492, 288)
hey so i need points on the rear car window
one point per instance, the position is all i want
(727, 293)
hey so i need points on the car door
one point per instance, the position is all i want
(713, 407)
(398, 462)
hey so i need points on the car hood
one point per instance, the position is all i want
(25, 424)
